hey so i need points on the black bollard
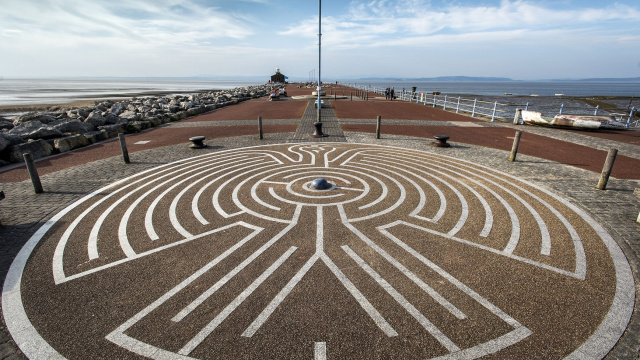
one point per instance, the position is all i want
(441, 141)
(378, 124)
(260, 127)
(197, 142)
(318, 130)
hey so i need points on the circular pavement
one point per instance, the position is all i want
(233, 254)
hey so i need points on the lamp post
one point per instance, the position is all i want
(319, 89)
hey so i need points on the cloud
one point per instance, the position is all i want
(397, 23)
(130, 23)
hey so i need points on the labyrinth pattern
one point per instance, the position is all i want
(409, 254)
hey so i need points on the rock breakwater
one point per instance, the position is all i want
(51, 132)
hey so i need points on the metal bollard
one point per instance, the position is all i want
(123, 146)
(318, 130)
(378, 123)
(606, 170)
(260, 127)
(514, 148)
(33, 173)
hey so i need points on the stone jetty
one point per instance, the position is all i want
(46, 133)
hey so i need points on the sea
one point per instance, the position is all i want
(15, 91)
(511, 88)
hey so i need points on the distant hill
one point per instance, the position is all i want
(637, 79)
(441, 79)
(490, 79)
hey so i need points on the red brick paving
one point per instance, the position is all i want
(158, 137)
(394, 110)
(530, 144)
(625, 136)
(252, 109)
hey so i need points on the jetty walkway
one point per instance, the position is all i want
(414, 251)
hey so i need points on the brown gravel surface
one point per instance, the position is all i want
(379, 267)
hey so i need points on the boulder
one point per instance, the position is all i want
(72, 126)
(84, 111)
(5, 124)
(130, 115)
(70, 142)
(112, 131)
(110, 119)
(95, 119)
(95, 136)
(12, 139)
(117, 109)
(35, 130)
(37, 148)
(40, 117)
(4, 143)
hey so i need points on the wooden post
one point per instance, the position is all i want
(378, 123)
(33, 173)
(606, 170)
(260, 127)
(514, 148)
(123, 146)
(516, 119)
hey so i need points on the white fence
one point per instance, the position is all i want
(493, 109)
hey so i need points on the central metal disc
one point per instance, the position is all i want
(320, 184)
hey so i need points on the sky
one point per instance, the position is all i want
(518, 39)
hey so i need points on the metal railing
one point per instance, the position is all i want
(494, 109)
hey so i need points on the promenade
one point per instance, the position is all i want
(414, 251)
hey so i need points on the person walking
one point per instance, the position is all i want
(392, 93)
(387, 91)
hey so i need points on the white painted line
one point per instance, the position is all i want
(402, 301)
(246, 262)
(211, 326)
(377, 318)
(320, 351)
(278, 299)
(408, 273)
(143, 142)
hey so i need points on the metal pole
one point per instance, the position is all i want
(493, 116)
(561, 108)
(514, 148)
(123, 146)
(378, 122)
(606, 170)
(33, 173)
(319, 60)
(596, 112)
(473, 113)
(444, 107)
(260, 127)
(633, 110)
(458, 107)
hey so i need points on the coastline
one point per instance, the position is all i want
(11, 110)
